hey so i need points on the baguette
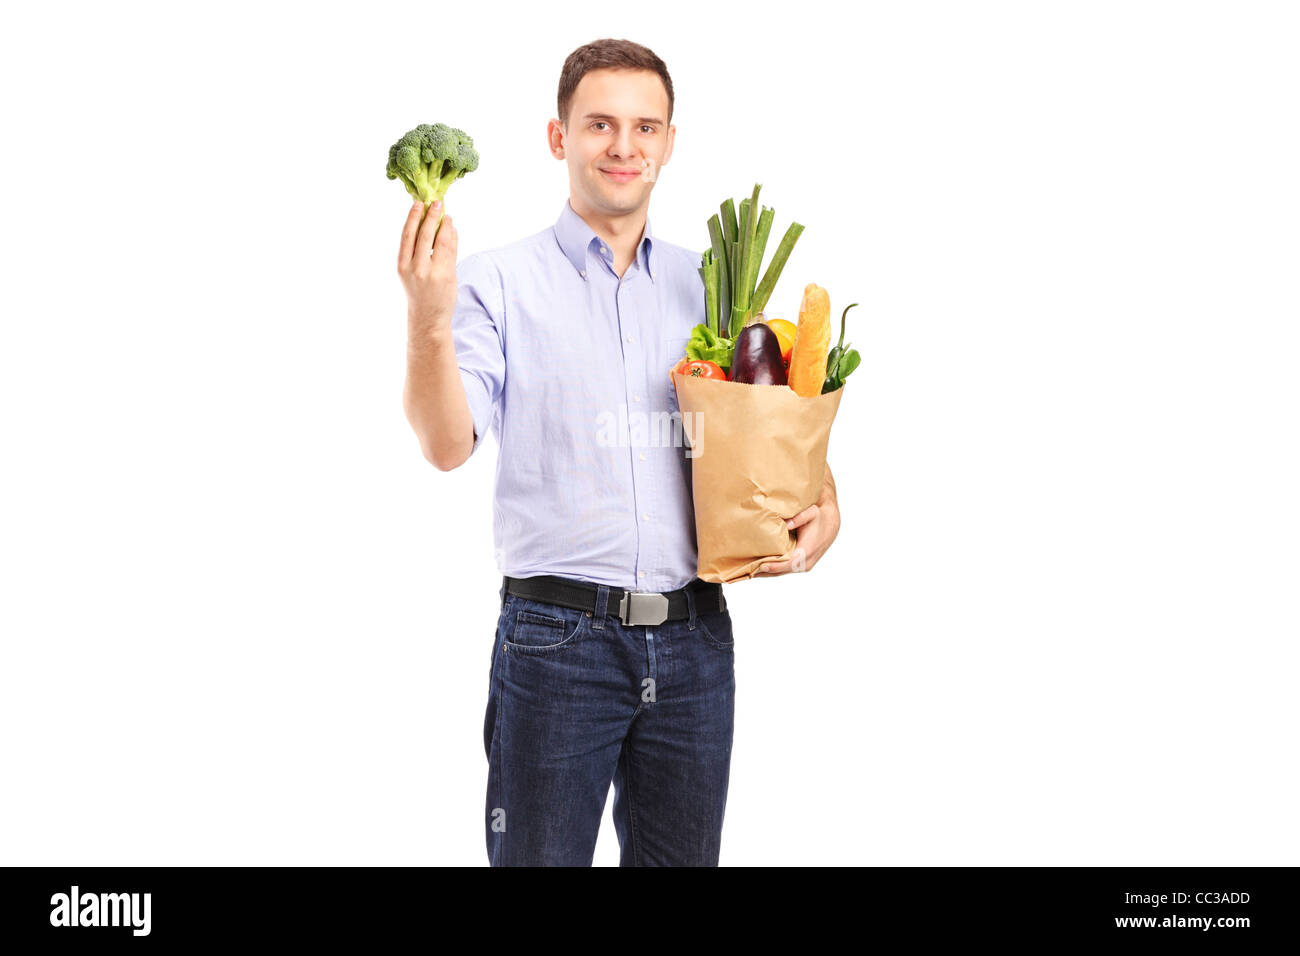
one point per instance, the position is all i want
(812, 342)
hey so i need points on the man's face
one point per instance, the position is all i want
(618, 121)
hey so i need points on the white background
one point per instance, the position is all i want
(244, 622)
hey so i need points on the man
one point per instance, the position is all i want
(612, 660)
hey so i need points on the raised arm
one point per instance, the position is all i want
(434, 394)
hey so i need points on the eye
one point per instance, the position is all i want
(598, 123)
(650, 128)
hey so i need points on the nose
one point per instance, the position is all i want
(624, 144)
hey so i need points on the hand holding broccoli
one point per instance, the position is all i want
(427, 160)
(427, 267)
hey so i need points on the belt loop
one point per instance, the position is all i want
(602, 606)
(690, 607)
(504, 581)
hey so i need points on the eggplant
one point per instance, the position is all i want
(757, 358)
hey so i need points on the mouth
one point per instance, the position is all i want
(622, 175)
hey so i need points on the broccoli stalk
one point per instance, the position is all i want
(430, 158)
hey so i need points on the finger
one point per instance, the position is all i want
(444, 246)
(808, 537)
(424, 245)
(408, 234)
(772, 569)
(802, 558)
(803, 517)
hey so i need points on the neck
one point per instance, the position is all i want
(622, 233)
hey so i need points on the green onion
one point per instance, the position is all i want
(755, 260)
(764, 291)
(730, 266)
(722, 284)
(709, 273)
(729, 228)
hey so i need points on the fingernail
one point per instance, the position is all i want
(789, 522)
(762, 567)
(437, 204)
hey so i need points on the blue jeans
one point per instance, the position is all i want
(576, 700)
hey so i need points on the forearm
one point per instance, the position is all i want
(828, 495)
(434, 400)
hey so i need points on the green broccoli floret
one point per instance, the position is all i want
(430, 158)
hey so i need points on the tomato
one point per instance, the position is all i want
(700, 368)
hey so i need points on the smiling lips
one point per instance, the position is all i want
(621, 174)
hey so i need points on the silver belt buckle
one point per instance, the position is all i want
(643, 607)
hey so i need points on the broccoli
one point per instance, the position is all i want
(430, 158)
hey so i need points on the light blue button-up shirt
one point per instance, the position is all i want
(569, 366)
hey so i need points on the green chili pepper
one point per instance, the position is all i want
(841, 361)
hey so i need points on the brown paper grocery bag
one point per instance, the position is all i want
(758, 457)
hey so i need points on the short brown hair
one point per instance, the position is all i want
(608, 55)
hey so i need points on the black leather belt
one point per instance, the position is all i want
(633, 608)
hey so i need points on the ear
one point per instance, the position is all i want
(555, 138)
(672, 133)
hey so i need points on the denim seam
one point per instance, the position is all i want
(631, 810)
(498, 847)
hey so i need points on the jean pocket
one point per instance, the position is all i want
(716, 629)
(549, 629)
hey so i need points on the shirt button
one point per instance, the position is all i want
(645, 517)
(583, 273)
(640, 574)
(643, 456)
(636, 398)
(604, 250)
(629, 340)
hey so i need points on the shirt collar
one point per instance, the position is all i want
(576, 237)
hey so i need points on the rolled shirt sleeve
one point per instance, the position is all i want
(476, 333)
